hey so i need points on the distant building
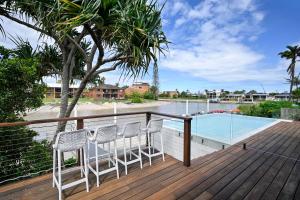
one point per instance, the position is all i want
(256, 96)
(214, 94)
(171, 94)
(282, 96)
(106, 91)
(234, 97)
(54, 90)
(138, 87)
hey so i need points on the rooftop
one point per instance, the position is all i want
(108, 86)
(269, 168)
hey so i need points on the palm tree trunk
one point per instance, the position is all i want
(291, 86)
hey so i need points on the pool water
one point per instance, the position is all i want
(224, 127)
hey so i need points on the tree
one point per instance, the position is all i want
(155, 86)
(296, 94)
(291, 54)
(123, 34)
(239, 92)
(296, 81)
(252, 92)
(20, 91)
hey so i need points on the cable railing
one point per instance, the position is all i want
(26, 146)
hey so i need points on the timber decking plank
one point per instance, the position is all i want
(232, 173)
(259, 189)
(252, 174)
(291, 184)
(189, 181)
(223, 177)
(247, 185)
(116, 184)
(281, 178)
(297, 193)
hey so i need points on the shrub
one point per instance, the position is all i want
(38, 157)
(136, 95)
(265, 109)
(70, 162)
(149, 95)
(136, 100)
(272, 108)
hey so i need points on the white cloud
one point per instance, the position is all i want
(12, 29)
(214, 46)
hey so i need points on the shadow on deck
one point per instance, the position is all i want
(268, 169)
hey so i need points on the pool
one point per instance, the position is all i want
(223, 127)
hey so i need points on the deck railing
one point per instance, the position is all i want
(10, 156)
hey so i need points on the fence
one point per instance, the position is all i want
(25, 147)
(290, 113)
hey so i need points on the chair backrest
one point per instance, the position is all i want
(71, 140)
(106, 133)
(155, 125)
(132, 129)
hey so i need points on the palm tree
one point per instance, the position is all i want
(155, 81)
(291, 54)
(122, 34)
(296, 81)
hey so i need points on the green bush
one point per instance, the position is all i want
(149, 95)
(37, 158)
(136, 100)
(136, 97)
(70, 162)
(269, 109)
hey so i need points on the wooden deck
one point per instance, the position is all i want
(232, 173)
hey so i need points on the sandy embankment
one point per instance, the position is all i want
(51, 111)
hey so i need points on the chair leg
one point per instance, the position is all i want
(81, 162)
(116, 159)
(97, 164)
(109, 155)
(125, 157)
(149, 148)
(88, 153)
(130, 157)
(140, 151)
(162, 146)
(152, 143)
(59, 175)
(86, 169)
(54, 166)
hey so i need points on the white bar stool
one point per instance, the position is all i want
(154, 126)
(129, 131)
(70, 141)
(104, 135)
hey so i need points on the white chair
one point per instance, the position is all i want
(154, 126)
(104, 135)
(129, 131)
(70, 141)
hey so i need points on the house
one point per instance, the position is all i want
(282, 96)
(171, 94)
(54, 90)
(234, 97)
(106, 91)
(214, 94)
(256, 96)
(138, 87)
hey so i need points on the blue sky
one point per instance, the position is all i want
(228, 44)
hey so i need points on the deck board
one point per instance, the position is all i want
(256, 173)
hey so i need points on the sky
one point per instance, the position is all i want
(228, 44)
